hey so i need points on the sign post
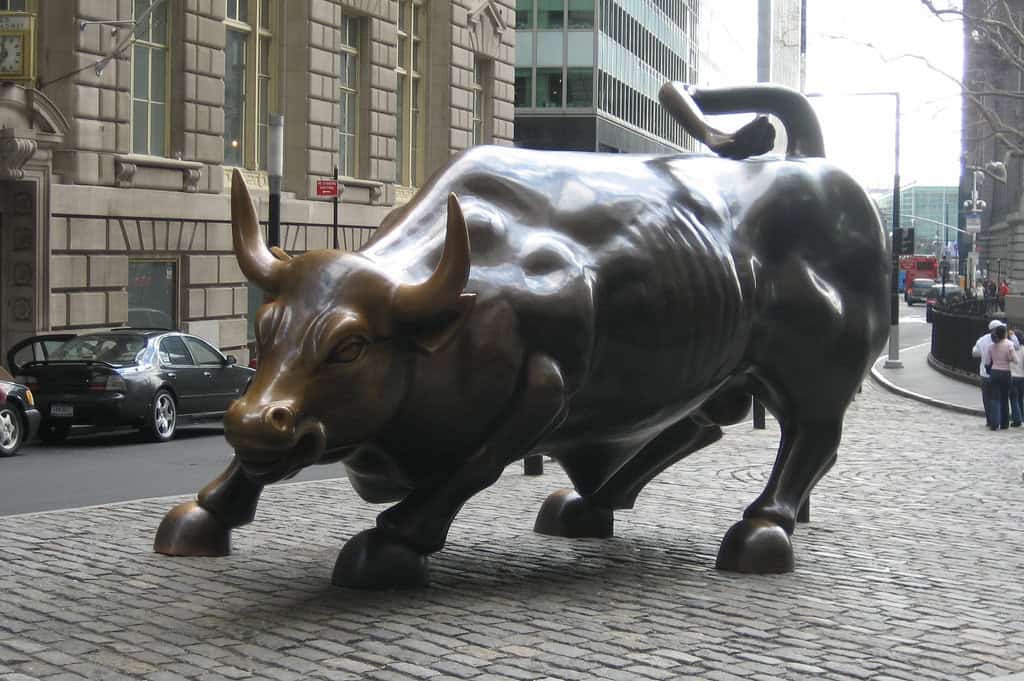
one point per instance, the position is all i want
(331, 188)
(334, 229)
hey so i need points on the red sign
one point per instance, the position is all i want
(326, 187)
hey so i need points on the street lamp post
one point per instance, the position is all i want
(974, 207)
(893, 361)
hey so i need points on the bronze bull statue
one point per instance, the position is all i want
(611, 311)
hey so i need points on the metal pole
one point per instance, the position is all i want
(336, 192)
(275, 168)
(533, 465)
(945, 244)
(893, 361)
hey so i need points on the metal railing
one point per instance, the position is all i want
(956, 328)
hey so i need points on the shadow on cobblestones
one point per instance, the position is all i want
(909, 570)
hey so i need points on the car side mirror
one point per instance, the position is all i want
(230, 359)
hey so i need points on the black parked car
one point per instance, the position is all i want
(19, 419)
(148, 379)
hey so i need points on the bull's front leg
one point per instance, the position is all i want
(203, 527)
(393, 554)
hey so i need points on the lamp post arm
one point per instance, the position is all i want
(935, 222)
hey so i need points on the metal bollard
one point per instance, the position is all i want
(758, 415)
(533, 465)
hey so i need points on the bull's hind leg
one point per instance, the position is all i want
(807, 449)
(567, 513)
(393, 554)
(203, 527)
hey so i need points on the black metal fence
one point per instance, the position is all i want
(955, 329)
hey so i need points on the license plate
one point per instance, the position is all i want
(62, 410)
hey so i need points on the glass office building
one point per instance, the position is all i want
(588, 73)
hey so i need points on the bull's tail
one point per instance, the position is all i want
(688, 104)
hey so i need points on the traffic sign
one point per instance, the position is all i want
(326, 187)
(973, 223)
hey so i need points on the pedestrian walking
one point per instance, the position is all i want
(1017, 383)
(981, 348)
(1001, 355)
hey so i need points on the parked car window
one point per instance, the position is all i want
(119, 349)
(174, 353)
(203, 353)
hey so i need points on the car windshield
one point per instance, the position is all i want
(923, 283)
(113, 348)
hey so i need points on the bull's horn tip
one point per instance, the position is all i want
(237, 180)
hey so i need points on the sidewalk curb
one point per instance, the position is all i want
(892, 387)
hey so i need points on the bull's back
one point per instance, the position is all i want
(608, 260)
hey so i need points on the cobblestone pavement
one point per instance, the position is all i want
(911, 569)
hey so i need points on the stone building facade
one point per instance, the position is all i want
(115, 163)
(1000, 243)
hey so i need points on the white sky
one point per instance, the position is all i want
(859, 131)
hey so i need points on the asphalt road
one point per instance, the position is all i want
(119, 466)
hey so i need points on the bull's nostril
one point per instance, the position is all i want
(280, 418)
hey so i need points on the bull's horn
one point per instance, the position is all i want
(418, 302)
(257, 262)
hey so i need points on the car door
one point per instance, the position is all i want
(180, 371)
(220, 384)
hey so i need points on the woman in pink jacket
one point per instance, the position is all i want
(1001, 354)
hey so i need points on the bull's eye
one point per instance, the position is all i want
(349, 350)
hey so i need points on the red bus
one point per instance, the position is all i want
(914, 266)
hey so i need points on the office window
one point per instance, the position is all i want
(524, 87)
(149, 79)
(524, 13)
(581, 14)
(549, 88)
(152, 293)
(349, 129)
(411, 48)
(248, 81)
(550, 13)
(481, 100)
(579, 87)
(13, 6)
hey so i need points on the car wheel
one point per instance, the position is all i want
(11, 430)
(51, 433)
(163, 417)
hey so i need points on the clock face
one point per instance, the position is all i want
(12, 54)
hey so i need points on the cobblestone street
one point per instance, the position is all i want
(910, 569)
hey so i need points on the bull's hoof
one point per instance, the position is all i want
(566, 514)
(757, 546)
(377, 561)
(190, 530)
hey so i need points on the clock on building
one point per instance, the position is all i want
(17, 46)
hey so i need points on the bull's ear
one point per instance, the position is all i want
(280, 253)
(435, 337)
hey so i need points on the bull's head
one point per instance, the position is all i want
(335, 343)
